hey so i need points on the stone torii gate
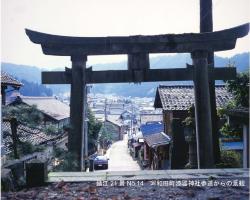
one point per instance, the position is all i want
(138, 48)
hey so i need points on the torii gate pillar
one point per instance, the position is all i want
(206, 25)
(203, 110)
(77, 96)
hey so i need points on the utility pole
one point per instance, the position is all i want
(83, 142)
(131, 118)
(206, 25)
(86, 149)
(105, 111)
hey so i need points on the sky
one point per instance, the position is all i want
(107, 18)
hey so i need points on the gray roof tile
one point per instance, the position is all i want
(182, 97)
(25, 134)
(7, 79)
(49, 105)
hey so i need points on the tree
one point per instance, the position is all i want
(68, 161)
(34, 89)
(240, 89)
(104, 138)
(229, 159)
(190, 119)
(94, 127)
(24, 114)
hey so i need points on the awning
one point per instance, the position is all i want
(157, 139)
(136, 144)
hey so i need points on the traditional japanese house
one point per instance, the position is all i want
(18, 136)
(115, 126)
(115, 108)
(155, 117)
(54, 111)
(175, 101)
(240, 116)
(8, 81)
(127, 115)
(151, 127)
(156, 150)
(153, 146)
(26, 134)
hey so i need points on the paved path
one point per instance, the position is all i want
(119, 157)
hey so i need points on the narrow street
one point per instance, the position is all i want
(119, 157)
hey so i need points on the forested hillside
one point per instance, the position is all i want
(33, 74)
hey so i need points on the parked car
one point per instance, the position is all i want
(101, 162)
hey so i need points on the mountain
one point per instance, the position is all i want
(33, 74)
(34, 89)
(241, 61)
(28, 73)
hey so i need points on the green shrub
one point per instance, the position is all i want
(52, 129)
(231, 131)
(229, 159)
(28, 148)
(25, 148)
(58, 152)
(67, 160)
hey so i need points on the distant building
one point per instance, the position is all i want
(127, 115)
(147, 110)
(144, 118)
(98, 105)
(115, 126)
(53, 110)
(115, 108)
(176, 100)
(8, 81)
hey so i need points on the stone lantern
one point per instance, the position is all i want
(190, 138)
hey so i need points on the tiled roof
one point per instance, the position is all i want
(6, 79)
(239, 112)
(239, 115)
(157, 139)
(182, 97)
(114, 119)
(49, 105)
(144, 118)
(26, 134)
(151, 128)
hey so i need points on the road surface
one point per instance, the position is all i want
(119, 157)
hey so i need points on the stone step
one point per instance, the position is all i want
(147, 175)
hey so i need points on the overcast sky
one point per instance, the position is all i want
(106, 18)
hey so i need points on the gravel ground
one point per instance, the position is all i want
(133, 190)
